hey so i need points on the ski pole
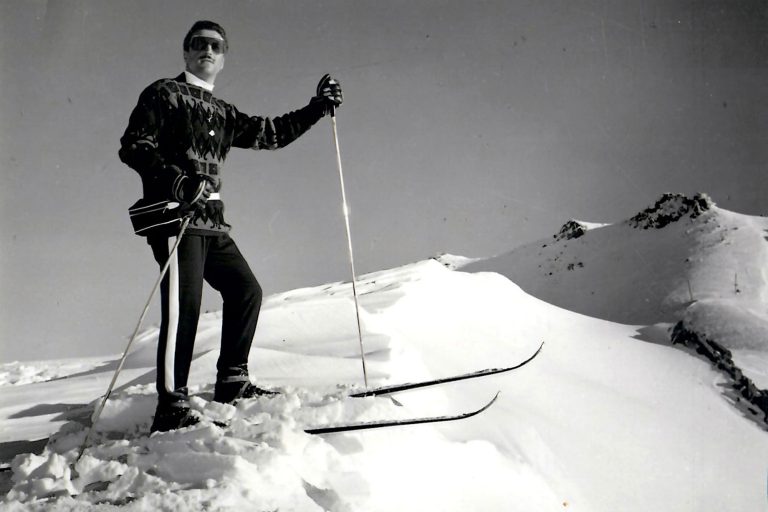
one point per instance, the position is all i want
(100, 407)
(349, 243)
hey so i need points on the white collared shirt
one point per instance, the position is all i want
(192, 79)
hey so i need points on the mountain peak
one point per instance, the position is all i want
(671, 208)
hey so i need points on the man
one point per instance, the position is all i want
(178, 136)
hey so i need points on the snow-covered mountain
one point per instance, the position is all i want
(682, 260)
(610, 416)
(649, 268)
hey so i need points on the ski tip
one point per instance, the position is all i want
(486, 406)
(541, 346)
(538, 350)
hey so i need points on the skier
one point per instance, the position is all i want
(177, 138)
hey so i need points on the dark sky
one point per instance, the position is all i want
(468, 127)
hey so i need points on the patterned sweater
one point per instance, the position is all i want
(179, 129)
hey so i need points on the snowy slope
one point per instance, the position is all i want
(609, 417)
(649, 268)
(680, 259)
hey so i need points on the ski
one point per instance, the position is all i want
(386, 390)
(389, 389)
(397, 423)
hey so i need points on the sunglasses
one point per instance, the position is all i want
(200, 43)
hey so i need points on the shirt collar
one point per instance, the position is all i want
(192, 79)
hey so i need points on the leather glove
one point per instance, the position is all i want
(329, 92)
(194, 190)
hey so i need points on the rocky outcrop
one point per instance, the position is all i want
(571, 229)
(743, 389)
(671, 208)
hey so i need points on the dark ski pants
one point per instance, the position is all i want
(217, 260)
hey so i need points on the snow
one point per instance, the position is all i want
(610, 416)
(636, 272)
(18, 373)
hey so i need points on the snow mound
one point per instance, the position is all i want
(261, 461)
(256, 456)
(18, 373)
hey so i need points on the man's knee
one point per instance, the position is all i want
(245, 290)
(254, 291)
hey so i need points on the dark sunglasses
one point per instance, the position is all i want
(200, 43)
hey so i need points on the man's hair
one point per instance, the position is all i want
(205, 25)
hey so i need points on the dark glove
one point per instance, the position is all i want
(329, 92)
(194, 190)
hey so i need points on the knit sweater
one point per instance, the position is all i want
(178, 129)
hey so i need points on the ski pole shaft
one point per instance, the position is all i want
(349, 243)
(100, 407)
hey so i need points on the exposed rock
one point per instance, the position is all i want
(722, 359)
(571, 229)
(671, 208)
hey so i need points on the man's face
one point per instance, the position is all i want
(203, 60)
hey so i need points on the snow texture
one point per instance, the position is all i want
(610, 416)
